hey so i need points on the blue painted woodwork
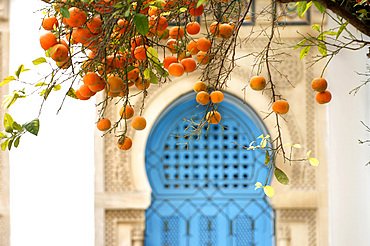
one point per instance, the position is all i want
(204, 195)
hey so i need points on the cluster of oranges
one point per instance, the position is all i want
(323, 96)
(104, 40)
(204, 98)
(181, 60)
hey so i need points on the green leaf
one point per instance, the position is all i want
(313, 161)
(319, 7)
(39, 60)
(152, 53)
(48, 52)
(281, 176)
(258, 185)
(72, 93)
(20, 69)
(7, 80)
(33, 126)
(119, 5)
(40, 84)
(16, 142)
(3, 135)
(11, 99)
(147, 73)
(16, 126)
(183, 9)
(302, 7)
(340, 30)
(267, 158)
(316, 27)
(8, 121)
(304, 52)
(269, 191)
(57, 87)
(300, 44)
(4, 145)
(153, 78)
(200, 2)
(141, 23)
(10, 143)
(322, 49)
(330, 33)
(65, 12)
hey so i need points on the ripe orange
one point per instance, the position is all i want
(202, 98)
(85, 91)
(323, 97)
(124, 143)
(48, 23)
(168, 60)
(189, 64)
(176, 32)
(158, 23)
(122, 26)
(141, 83)
(203, 44)
(126, 112)
(183, 54)
(103, 124)
(115, 84)
(225, 30)
(59, 53)
(280, 107)
(136, 41)
(140, 52)
(94, 25)
(133, 74)
(77, 18)
(163, 34)
(48, 40)
(192, 47)
(98, 87)
(80, 97)
(91, 79)
(193, 28)
(213, 117)
(171, 45)
(138, 123)
(203, 57)
(214, 28)
(319, 84)
(199, 86)
(216, 96)
(257, 83)
(176, 69)
(194, 11)
(81, 35)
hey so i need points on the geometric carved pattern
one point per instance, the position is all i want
(303, 175)
(117, 176)
(112, 217)
(307, 215)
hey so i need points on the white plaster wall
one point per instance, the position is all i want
(52, 175)
(349, 178)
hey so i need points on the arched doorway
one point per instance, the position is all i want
(204, 194)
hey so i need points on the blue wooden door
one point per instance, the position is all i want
(204, 195)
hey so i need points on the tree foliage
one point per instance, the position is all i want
(111, 46)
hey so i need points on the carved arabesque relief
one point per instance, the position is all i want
(308, 216)
(113, 217)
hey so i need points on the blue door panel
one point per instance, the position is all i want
(204, 194)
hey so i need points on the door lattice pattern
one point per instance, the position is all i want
(204, 194)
